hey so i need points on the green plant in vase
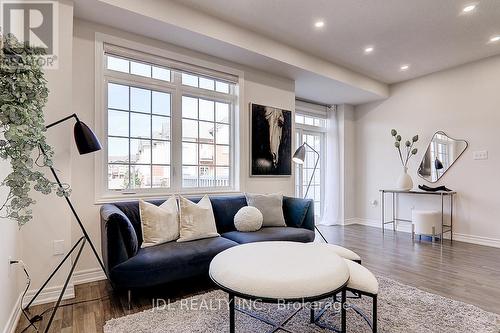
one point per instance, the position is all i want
(23, 95)
(405, 152)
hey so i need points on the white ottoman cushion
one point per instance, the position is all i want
(279, 270)
(341, 251)
(360, 278)
(248, 219)
(424, 220)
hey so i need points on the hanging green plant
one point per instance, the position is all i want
(23, 95)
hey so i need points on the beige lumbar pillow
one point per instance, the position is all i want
(271, 207)
(197, 221)
(160, 224)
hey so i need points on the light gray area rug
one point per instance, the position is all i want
(401, 309)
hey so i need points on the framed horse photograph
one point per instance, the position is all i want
(270, 141)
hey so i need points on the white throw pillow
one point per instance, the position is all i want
(197, 221)
(271, 207)
(160, 224)
(248, 219)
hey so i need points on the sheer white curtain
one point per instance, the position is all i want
(332, 201)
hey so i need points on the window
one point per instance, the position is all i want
(311, 130)
(167, 129)
(205, 142)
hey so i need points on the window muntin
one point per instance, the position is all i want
(141, 118)
(310, 120)
(206, 83)
(133, 67)
(138, 137)
(205, 142)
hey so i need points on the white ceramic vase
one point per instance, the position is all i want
(405, 183)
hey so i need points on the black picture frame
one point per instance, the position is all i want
(270, 157)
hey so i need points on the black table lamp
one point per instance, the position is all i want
(86, 142)
(299, 157)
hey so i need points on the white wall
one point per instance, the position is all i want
(263, 89)
(258, 88)
(33, 243)
(9, 248)
(346, 137)
(463, 102)
(51, 214)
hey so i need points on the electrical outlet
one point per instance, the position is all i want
(58, 247)
(480, 155)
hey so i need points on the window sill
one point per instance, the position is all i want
(111, 198)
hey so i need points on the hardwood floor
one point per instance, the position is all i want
(461, 271)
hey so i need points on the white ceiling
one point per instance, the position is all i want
(315, 79)
(430, 35)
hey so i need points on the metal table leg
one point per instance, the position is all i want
(442, 217)
(451, 217)
(343, 312)
(231, 313)
(393, 211)
(382, 205)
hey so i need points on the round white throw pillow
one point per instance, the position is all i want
(248, 218)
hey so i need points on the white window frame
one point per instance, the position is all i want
(302, 129)
(176, 62)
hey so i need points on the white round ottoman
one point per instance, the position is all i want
(426, 222)
(278, 271)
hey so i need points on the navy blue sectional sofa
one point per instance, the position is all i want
(129, 266)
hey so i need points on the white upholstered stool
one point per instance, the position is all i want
(341, 251)
(426, 222)
(362, 281)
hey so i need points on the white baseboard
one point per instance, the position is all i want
(15, 314)
(351, 221)
(88, 275)
(49, 294)
(406, 227)
(479, 240)
(401, 226)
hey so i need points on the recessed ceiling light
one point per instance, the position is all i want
(495, 39)
(469, 8)
(404, 67)
(369, 49)
(319, 24)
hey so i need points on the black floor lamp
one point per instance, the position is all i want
(86, 142)
(299, 157)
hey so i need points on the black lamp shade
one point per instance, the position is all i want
(300, 155)
(86, 141)
(437, 164)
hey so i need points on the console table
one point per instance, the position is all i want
(395, 193)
